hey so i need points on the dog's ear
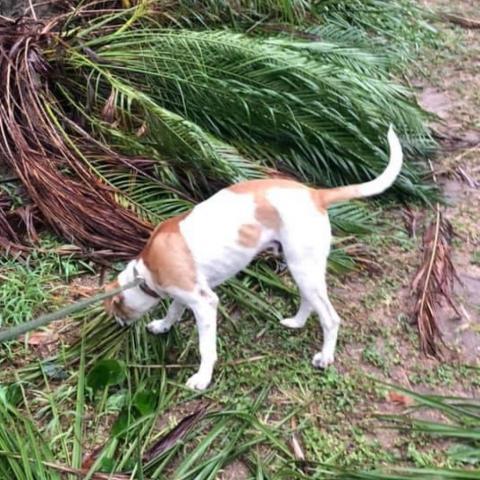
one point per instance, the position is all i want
(110, 303)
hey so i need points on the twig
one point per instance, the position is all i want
(434, 249)
(462, 21)
(421, 310)
(34, 15)
(472, 183)
(9, 179)
(468, 150)
(296, 447)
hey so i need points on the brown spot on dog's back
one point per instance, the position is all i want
(265, 212)
(318, 200)
(249, 235)
(171, 225)
(168, 257)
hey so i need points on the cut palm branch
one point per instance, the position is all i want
(271, 99)
(433, 283)
(459, 425)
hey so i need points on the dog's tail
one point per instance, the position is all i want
(333, 195)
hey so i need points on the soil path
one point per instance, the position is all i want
(452, 91)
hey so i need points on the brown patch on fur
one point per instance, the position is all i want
(249, 235)
(168, 257)
(108, 303)
(266, 214)
(318, 200)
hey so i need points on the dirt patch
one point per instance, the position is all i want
(237, 470)
(377, 335)
(462, 331)
(451, 93)
(436, 101)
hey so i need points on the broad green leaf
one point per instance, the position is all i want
(105, 373)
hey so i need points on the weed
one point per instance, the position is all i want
(32, 286)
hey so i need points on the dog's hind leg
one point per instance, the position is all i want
(311, 281)
(308, 263)
(330, 322)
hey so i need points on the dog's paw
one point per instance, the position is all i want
(198, 382)
(159, 326)
(321, 360)
(292, 323)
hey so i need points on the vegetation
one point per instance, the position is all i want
(114, 120)
(133, 121)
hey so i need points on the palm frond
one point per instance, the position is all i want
(275, 100)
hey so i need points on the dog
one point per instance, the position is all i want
(188, 255)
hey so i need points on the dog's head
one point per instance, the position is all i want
(130, 304)
(118, 307)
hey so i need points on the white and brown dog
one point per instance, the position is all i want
(188, 255)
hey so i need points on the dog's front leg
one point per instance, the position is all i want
(174, 314)
(205, 311)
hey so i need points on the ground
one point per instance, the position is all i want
(332, 413)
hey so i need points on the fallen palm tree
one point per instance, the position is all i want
(112, 123)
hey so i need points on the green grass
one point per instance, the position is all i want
(264, 379)
(333, 410)
(33, 285)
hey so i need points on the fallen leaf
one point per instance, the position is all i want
(142, 130)
(399, 399)
(90, 457)
(41, 338)
(296, 447)
(83, 291)
(173, 436)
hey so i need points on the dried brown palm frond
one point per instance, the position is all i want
(72, 200)
(433, 282)
(9, 239)
(18, 226)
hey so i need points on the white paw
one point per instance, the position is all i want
(198, 382)
(291, 323)
(159, 326)
(321, 360)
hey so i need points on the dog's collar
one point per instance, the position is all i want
(143, 285)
